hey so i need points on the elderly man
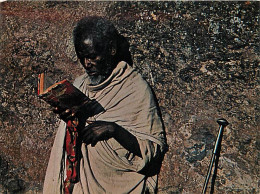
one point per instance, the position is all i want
(123, 142)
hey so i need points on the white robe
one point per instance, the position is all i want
(108, 167)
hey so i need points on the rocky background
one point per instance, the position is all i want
(201, 58)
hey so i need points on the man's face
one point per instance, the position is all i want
(96, 63)
(93, 64)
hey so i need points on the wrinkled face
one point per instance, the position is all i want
(96, 61)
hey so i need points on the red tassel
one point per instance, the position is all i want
(72, 160)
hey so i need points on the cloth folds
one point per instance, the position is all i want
(127, 100)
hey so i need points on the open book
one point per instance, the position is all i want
(62, 94)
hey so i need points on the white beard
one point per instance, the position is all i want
(95, 80)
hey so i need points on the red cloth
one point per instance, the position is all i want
(73, 154)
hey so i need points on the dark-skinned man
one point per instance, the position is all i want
(123, 138)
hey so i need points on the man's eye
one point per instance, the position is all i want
(92, 56)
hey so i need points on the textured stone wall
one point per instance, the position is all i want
(201, 58)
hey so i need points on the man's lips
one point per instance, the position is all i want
(92, 73)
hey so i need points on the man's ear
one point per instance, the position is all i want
(113, 48)
(113, 51)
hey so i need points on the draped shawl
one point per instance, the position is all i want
(127, 100)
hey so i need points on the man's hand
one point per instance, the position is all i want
(82, 112)
(98, 131)
(102, 130)
(64, 114)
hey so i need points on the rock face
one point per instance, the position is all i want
(201, 58)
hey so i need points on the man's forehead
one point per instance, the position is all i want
(88, 42)
(90, 45)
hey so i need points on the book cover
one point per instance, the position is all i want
(63, 94)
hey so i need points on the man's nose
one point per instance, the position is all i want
(88, 62)
(88, 65)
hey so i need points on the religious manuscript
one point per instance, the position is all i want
(63, 94)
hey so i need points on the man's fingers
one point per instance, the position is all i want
(94, 142)
(94, 138)
(90, 130)
(88, 139)
(94, 133)
(55, 110)
(97, 131)
(92, 126)
(67, 115)
(86, 132)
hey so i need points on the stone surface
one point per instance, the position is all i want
(201, 58)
